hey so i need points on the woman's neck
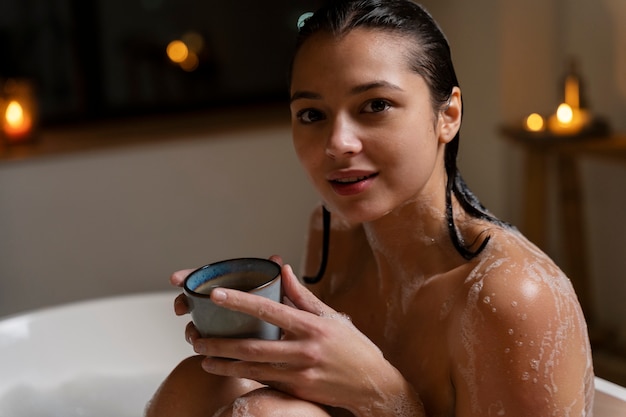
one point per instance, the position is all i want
(412, 241)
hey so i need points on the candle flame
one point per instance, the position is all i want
(14, 114)
(564, 114)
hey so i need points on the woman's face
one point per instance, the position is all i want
(363, 124)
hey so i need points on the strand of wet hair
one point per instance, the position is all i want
(325, 247)
(472, 206)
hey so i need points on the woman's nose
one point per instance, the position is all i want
(343, 140)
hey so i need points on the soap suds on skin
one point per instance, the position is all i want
(542, 275)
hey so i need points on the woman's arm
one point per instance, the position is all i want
(522, 347)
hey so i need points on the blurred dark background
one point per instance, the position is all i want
(104, 59)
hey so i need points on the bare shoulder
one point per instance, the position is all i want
(513, 274)
(523, 334)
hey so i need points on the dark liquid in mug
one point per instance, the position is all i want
(242, 281)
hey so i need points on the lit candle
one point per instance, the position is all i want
(16, 121)
(568, 120)
(18, 112)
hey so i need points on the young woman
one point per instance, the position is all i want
(425, 304)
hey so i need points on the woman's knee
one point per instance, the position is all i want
(266, 402)
(190, 391)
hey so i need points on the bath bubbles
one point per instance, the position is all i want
(404, 408)
(496, 409)
(400, 404)
(534, 364)
(337, 316)
(487, 300)
(240, 408)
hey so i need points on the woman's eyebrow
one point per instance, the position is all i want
(354, 91)
(374, 84)
(304, 94)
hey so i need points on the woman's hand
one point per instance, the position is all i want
(322, 357)
(180, 302)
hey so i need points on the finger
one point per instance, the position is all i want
(178, 277)
(181, 306)
(277, 259)
(287, 318)
(191, 333)
(250, 350)
(256, 371)
(300, 296)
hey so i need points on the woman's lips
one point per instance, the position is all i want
(351, 184)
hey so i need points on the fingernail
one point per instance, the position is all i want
(198, 348)
(218, 295)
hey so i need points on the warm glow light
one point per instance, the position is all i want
(16, 121)
(177, 51)
(568, 121)
(534, 122)
(194, 41)
(191, 63)
(18, 111)
(564, 114)
(14, 115)
(572, 92)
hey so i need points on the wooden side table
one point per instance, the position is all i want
(539, 148)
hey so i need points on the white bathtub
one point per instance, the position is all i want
(106, 358)
(97, 358)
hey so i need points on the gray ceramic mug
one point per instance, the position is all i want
(253, 275)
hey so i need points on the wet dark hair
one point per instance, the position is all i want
(430, 58)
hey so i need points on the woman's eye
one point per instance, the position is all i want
(376, 106)
(309, 116)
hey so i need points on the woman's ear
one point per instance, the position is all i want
(450, 116)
